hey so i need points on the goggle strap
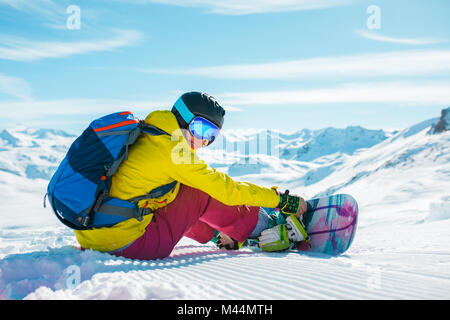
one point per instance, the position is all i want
(185, 113)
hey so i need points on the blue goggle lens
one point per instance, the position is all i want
(204, 129)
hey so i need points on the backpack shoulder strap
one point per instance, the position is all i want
(155, 193)
(124, 211)
(151, 129)
(134, 211)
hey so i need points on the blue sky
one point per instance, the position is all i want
(286, 64)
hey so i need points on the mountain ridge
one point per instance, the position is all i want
(311, 155)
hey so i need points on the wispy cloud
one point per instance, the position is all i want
(397, 63)
(403, 93)
(68, 107)
(15, 87)
(20, 49)
(50, 11)
(373, 35)
(53, 13)
(239, 7)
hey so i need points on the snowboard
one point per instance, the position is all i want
(330, 223)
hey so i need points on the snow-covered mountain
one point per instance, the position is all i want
(32, 153)
(306, 155)
(400, 179)
(35, 153)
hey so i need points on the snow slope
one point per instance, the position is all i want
(401, 250)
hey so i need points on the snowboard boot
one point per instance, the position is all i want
(289, 235)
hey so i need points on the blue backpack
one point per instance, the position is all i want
(79, 189)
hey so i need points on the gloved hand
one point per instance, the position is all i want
(292, 204)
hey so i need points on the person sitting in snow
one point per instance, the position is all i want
(204, 204)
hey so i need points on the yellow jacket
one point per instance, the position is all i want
(154, 161)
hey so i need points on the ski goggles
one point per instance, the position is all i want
(204, 129)
(200, 127)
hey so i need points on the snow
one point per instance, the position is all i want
(401, 249)
(439, 210)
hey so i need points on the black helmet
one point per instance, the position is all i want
(199, 104)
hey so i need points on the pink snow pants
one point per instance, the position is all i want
(193, 214)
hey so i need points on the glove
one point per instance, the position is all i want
(283, 236)
(291, 204)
